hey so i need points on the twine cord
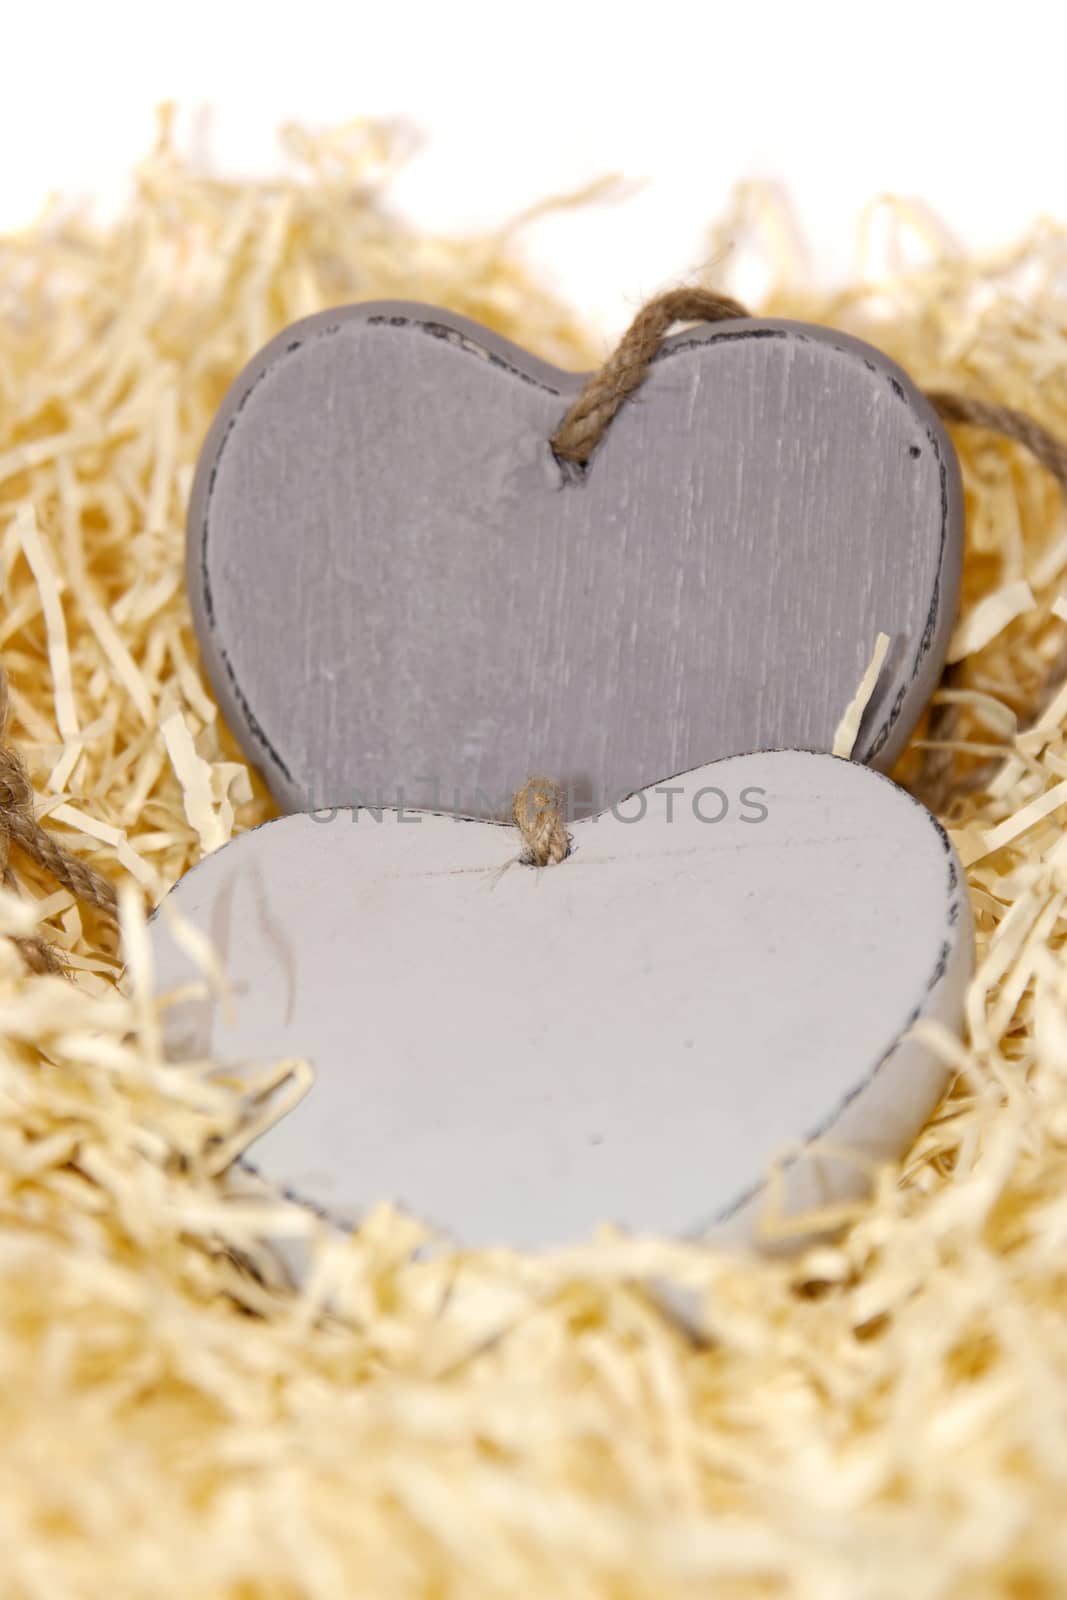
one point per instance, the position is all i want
(591, 414)
(1044, 446)
(537, 812)
(625, 369)
(19, 827)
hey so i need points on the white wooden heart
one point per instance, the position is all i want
(723, 972)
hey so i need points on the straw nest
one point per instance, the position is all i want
(881, 1417)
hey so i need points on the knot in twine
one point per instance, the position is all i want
(537, 812)
(605, 391)
(19, 827)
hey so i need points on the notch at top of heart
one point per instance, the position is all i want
(401, 599)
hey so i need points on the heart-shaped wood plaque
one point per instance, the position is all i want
(723, 971)
(404, 598)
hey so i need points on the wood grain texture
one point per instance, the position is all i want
(402, 596)
(630, 1036)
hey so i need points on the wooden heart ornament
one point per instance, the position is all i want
(402, 596)
(722, 972)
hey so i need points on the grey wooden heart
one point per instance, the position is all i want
(723, 971)
(403, 597)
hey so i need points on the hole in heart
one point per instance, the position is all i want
(915, 451)
(534, 855)
(570, 472)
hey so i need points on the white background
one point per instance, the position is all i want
(961, 105)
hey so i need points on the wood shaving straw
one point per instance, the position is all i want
(883, 1417)
(849, 726)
